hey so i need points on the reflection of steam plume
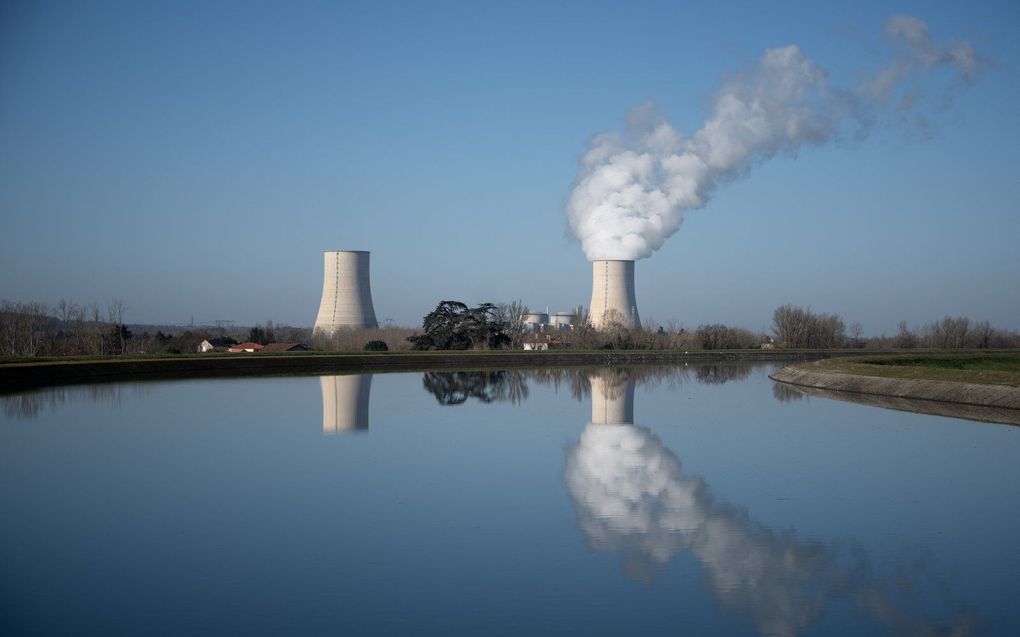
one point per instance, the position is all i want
(345, 402)
(631, 496)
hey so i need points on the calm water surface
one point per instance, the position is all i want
(676, 500)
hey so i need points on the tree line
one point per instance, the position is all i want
(73, 329)
(70, 329)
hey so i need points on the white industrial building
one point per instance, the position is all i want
(542, 321)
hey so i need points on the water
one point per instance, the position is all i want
(692, 500)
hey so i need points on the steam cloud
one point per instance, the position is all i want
(633, 187)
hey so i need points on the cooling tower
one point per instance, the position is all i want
(612, 403)
(346, 293)
(612, 294)
(345, 402)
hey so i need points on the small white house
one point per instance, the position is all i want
(538, 346)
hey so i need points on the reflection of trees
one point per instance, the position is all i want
(454, 388)
(31, 404)
(785, 393)
(632, 497)
(719, 374)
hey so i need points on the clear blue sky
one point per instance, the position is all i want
(194, 159)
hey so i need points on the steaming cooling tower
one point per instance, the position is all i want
(345, 402)
(612, 403)
(346, 294)
(612, 294)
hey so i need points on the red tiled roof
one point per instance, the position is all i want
(244, 346)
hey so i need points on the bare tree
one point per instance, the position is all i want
(115, 310)
(905, 339)
(24, 328)
(512, 315)
(856, 332)
(982, 334)
(949, 333)
(791, 325)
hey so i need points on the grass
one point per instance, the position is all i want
(1006, 362)
(990, 369)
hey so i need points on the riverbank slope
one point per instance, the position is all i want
(986, 379)
(26, 374)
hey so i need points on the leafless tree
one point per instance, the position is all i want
(24, 328)
(949, 333)
(115, 310)
(791, 325)
(905, 339)
(982, 334)
(512, 315)
(856, 333)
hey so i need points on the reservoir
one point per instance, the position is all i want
(701, 499)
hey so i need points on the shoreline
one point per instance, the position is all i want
(22, 375)
(974, 401)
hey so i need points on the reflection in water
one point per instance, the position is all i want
(612, 403)
(454, 388)
(29, 405)
(785, 393)
(719, 374)
(632, 497)
(345, 402)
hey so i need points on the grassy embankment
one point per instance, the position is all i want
(998, 368)
(22, 373)
(25, 373)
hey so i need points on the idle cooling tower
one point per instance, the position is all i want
(612, 294)
(346, 294)
(345, 402)
(612, 401)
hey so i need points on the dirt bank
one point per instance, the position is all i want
(816, 376)
(980, 413)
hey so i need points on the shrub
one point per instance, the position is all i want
(376, 346)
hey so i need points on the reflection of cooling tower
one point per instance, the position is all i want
(612, 294)
(346, 294)
(612, 403)
(345, 402)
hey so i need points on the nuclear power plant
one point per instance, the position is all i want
(612, 295)
(346, 292)
(345, 402)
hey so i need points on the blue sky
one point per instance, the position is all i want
(195, 159)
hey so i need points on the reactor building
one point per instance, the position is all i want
(612, 295)
(346, 293)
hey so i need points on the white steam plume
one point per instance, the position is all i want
(633, 187)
